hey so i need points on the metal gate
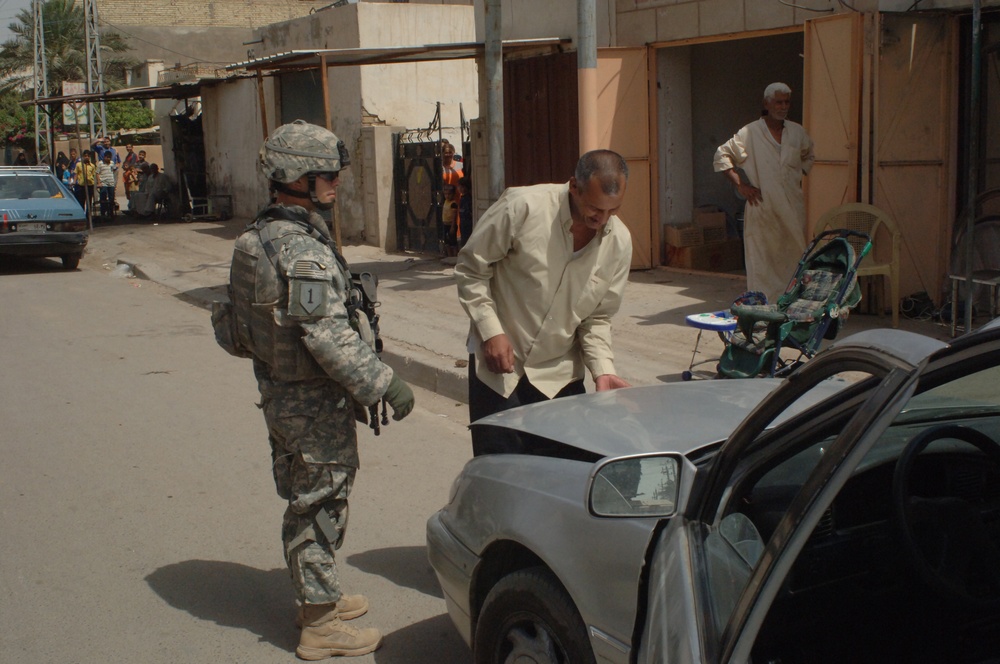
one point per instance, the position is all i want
(417, 180)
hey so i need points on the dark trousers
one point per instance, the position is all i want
(107, 201)
(484, 401)
(84, 195)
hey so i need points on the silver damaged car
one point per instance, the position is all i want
(850, 513)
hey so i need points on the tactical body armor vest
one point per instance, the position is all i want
(265, 323)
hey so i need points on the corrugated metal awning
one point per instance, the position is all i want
(186, 90)
(343, 57)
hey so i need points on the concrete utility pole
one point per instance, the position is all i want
(95, 72)
(586, 64)
(494, 97)
(41, 85)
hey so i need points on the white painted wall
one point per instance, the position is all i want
(377, 183)
(402, 95)
(233, 136)
(675, 142)
(406, 94)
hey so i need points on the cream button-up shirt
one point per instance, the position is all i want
(518, 275)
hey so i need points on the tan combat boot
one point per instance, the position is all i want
(324, 635)
(348, 608)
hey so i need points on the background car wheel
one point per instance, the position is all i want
(71, 261)
(529, 618)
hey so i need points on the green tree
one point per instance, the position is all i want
(65, 53)
(129, 114)
(17, 123)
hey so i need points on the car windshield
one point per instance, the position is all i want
(21, 187)
(977, 393)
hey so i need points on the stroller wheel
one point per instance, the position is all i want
(686, 375)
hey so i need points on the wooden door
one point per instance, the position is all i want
(832, 102)
(623, 126)
(541, 130)
(913, 137)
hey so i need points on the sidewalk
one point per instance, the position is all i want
(423, 326)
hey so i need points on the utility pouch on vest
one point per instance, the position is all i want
(224, 323)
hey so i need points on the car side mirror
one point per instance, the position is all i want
(635, 486)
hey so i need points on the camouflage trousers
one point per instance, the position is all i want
(316, 518)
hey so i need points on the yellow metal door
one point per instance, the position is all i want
(623, 126)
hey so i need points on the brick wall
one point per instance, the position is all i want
(215, 13)
(199, 13)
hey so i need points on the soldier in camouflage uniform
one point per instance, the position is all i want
(288, 293)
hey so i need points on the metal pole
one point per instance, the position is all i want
(494, 98)
(586, 64)
(973, 152)
(40, 76)
(96, 113)
(262, 102)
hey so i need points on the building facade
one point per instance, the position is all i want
(882, 87)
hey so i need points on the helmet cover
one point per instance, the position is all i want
(295, 149)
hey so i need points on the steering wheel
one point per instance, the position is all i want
(945, 538)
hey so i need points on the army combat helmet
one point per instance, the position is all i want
(298, 149)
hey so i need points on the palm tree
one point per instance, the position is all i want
(65, 50)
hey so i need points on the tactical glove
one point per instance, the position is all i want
(400, 397)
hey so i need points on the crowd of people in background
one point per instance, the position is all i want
(93, 177)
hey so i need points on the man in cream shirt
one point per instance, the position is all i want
(540, 278)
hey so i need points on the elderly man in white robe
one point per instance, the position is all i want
(774, 153)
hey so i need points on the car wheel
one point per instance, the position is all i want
(528, 618)
(71, 261)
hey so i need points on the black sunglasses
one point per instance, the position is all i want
(328, 177)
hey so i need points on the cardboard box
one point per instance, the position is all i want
(726, 256)
(714, 234)
(712, 224)
(685, 236)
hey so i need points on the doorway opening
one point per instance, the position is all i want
(703, 99)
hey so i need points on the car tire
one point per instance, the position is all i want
(528, 617)
(71, 261)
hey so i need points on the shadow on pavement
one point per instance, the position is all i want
(30, 265)
(431, 641)
(226, 230)
(405, 566)
(203, 297)
(234, 595)
(410, 274)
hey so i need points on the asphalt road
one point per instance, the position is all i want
(137, 509)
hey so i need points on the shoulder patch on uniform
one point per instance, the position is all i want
(308, 289)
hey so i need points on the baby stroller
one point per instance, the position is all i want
(814, 306)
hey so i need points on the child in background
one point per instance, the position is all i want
(107, 180)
